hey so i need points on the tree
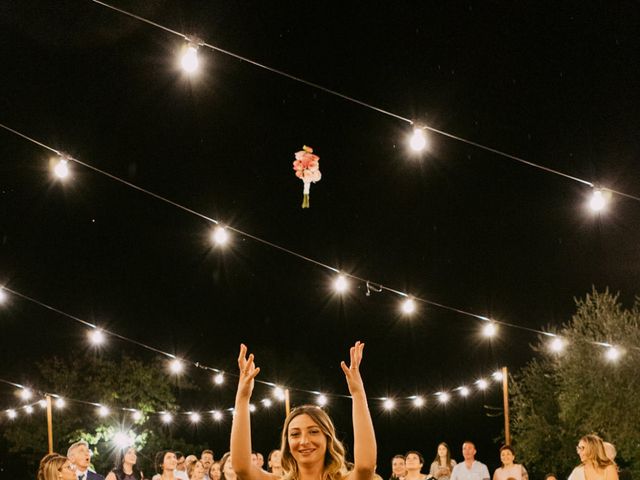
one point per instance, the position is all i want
(123, 383)
(561, 396)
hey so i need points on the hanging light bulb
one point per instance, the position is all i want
(60, 403)
(189, 60)
(408, 306)
(444, 397)
(217, 416)
(464, 391)
(482, 384)
(103, 411)
(556, 345)
(26, 394)
(389, 404)
(267, 402)
(418, 141)
(598, 200)
(28, 409)
(176, 366)
(218, 379)
(613, 354)
(123, 440)
(321, 400)
(136, 415)
(489, 330)
(195, 417)
(341, 284)
(252, 407)
(497, 376)
(220, 235)
(61, 167)
(96, 337)
(42, 403)
(418, 401)
(3, 296)
(166, 418)
(12, 414)
(278, 392)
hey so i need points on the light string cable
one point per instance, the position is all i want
(419, 125)
(276, 246)
(375, 287)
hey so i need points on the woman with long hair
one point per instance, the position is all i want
(195, 470)
(310, 448)
(443, 464)
(226, 468)
(126, 468)
(594, 463)
(215, 472)
(509, 469)
(54, 466)
(413, 462)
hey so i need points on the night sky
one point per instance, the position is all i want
(555, 83)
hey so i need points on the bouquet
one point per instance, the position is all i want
(307, 168)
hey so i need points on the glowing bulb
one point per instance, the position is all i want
(267, 402)
(217, 416)
(597, 201)
(408, 306)
(103, 411)
(176, 366)
(166, 417)
(489, 330)
(482, 384)
(96, 336)
(444, 397)
(42, 403)
(26, 394)
(418, 141)
(189, 60)
(556, 345)
(218, 379)
(61, 170)
(252, 407)
(220, 235)
(12, 414)
(613, 354)
(123, 440)
(278, 392)
(195, 417)
(60, 403)
(497, 376)
(3, 295)
(418, 401)
(464, 391)
(321, 400)
(341, 284)
(28, 409)
(389, 404)
(136, 415)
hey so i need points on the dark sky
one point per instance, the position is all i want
(552, 82)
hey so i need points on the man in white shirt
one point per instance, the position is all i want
(470, 469)
(206, 457)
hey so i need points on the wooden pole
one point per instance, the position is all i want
(49, 423)
(287, 403)
(505, 400)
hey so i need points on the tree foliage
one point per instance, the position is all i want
(559, 397)
(123, 383)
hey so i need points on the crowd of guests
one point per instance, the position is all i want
(310, 449)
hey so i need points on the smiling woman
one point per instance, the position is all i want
(310, 448)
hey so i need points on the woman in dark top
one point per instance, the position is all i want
(126, 469)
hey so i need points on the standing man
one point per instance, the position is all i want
(470, 469)
(79, 455)
(206, 457)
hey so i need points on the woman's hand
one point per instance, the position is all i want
(248, 372)
(354, 380)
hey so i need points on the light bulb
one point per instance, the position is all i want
(444, 397)
(252, 407)
(28, 409)
(166, 417)
(482, 384)
(123, 440)
(189, 60)
(220, 235)
(598, 202)
(96, 336)
(12, 414)
(418, 141)
(556, 345)
(464, 391)
(267, 402)
(136, 415)
(341, 284)
(26, 394)
(489, 330)
(278, 392)
(418, 401)
(60, 403)
(321, 400)
(195, 417)
(61, 169)
(408, 306)
(218, 379)
(176, 366)
(613, 354)
(103, 411)
(42, 403)
(217, 416)
(497, 376)
(3, 295)
(389, 404)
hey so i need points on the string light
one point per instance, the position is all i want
(444, 397)
(389, 404)
(12, 414)
(220, 235)
(189, 59)
(60, 403)
(267, 402)
(418, 141)
(61, 168)
(598, 202)
(218, 379)
(408, 306)
(556, 345)
(166, 418)
(176, 366)
(3, 295)
(123, 440)
(464, 391)
(195, 417)
(418, 401)
(489, 330)
(26, 394)
(252, 407)
(42, 403)
(321, 400)
(217, 415)
(28, 409)
(278, 392)
(613, 354)
(497, 376)
(136, 415)
(96, 337)
(341, 284)
(482, 384)
(103, 411)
